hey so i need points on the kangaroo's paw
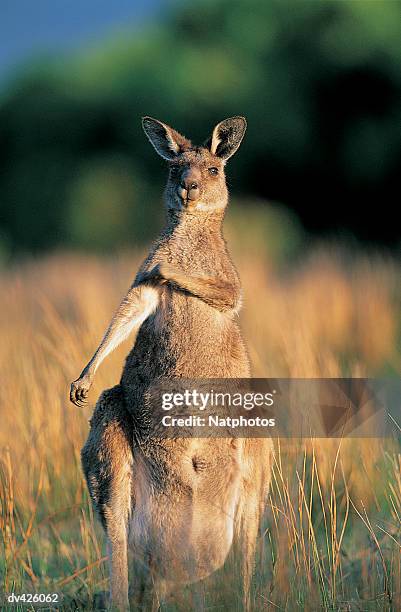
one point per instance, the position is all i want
(80, 389)
(160, 273)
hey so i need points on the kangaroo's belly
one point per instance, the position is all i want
(186, 338)
(177, 545)
(182, 523)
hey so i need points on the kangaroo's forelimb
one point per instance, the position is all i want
(216, 292)
(139, 303)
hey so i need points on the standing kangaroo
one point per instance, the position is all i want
(178, 503)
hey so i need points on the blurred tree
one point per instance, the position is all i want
(318, 81)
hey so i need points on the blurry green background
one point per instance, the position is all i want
(319, 82)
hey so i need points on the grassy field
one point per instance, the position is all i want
(331, 538)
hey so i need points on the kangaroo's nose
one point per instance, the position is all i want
(189, 187)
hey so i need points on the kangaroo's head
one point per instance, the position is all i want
(196, 181)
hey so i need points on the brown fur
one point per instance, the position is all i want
(177, 503)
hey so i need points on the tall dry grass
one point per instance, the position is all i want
(332, 534)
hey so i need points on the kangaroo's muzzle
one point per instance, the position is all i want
(189, 188)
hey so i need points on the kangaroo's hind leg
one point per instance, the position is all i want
(107, 464)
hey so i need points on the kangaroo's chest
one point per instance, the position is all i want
(186, 338)
(185, 325)
(195, 253)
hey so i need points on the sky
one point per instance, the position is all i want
(35, 27)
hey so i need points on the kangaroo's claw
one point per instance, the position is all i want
(79, 390)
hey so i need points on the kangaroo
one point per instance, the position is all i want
(178, 504)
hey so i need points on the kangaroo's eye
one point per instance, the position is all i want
(213, 171)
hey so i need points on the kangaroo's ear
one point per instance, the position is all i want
(227, 137)
(167, 142)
